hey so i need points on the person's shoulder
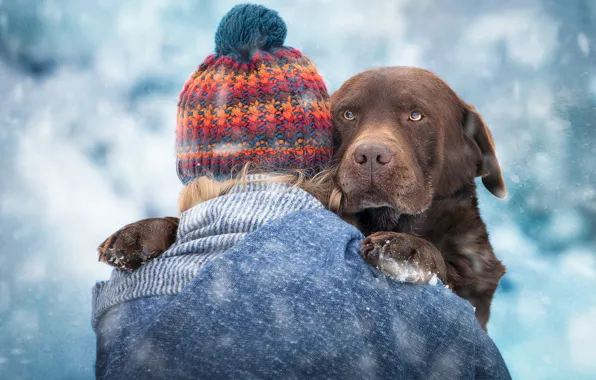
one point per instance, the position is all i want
(431, 309)
(316, 235)
(317, 223)
(441, 303)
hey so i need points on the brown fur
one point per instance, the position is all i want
(408, 185)
(426, 189)
(134, 244)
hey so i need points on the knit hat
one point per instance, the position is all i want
(253, 101)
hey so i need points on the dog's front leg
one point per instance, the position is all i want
(404, 257)
(136, 243)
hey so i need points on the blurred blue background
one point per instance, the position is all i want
(88, 93)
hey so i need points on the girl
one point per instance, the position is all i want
(263, 282)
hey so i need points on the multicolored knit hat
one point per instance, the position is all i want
(253, 101)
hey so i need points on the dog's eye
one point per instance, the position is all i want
(415, 116)
(349, 115)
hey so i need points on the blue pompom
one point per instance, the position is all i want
(248, 27)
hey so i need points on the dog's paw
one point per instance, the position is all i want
(403, 257)
(136, 243)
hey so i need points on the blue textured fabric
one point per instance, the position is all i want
(248, 27)
(294, 300)
(204, 232)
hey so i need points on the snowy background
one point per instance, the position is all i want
(88, 93)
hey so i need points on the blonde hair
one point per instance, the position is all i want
(322, 186)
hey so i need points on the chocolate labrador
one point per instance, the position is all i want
(408, 150)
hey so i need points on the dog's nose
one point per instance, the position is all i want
(376, 154)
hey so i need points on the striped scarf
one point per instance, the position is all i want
(204, 232)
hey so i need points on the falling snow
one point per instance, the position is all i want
(86, 146)
(583, 43)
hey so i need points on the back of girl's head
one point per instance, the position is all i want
(253, 102)
(322, 186)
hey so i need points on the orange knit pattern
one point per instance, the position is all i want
(272, 112)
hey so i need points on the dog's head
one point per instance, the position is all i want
(404, 137)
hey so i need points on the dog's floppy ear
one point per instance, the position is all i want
(488, 167)
(335, 133)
